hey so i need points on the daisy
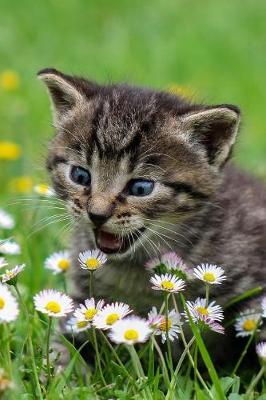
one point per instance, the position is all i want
(89, 310)
(172, 261)
(3, 262)
(130, 330)
(153, 263)
(157, 322)
(58, 262)
(110, 314)
(43, 189)
(76, 325)
(53, 303)
(200, 311)
(261, 351)
(8, 305)
(6, 221)
(263, 305)
(10, 276)
(210, 274)
(9, 247)
(92, 259)
(247, 322)
(167, 283)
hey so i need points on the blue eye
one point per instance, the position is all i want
(140, 187)
(80, 176)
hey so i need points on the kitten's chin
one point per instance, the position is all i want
(116, 245)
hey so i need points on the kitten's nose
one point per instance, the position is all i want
(98, 219)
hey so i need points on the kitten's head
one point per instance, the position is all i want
(127, 160)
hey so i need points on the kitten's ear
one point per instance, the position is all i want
(63, 89)
(215, 128)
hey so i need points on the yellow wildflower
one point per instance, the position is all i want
(9, 151)
(9, 80)
(22, 184)
(180, 90)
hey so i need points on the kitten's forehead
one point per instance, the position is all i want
(109, 174)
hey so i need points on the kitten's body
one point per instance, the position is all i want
(200, 208)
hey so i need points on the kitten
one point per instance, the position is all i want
(143, 170)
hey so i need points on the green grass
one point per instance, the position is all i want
(216, 48)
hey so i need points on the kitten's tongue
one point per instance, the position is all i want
(108, 242)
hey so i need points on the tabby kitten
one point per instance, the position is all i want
(141, 171)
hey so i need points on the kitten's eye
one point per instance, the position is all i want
(140, 187)
(80, 176)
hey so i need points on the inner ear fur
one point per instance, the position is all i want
(64, 91)
(215, 128)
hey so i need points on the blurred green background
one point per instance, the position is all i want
(215, 49)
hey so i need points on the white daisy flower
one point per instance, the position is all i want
(167, 283)
(261, 351)
(89, 310)
(172, 261)
(75, 325)
(10, 276)
(6, 220)
(92, 259)
(199, 311)
(247, 322)
(43, 189)
(3, 262)
(110, 314)
(53, 303)
(58, 262)
(8, 305)
(130, 330)
(210, 274)
(153, 263)
(9, 247)
(157, 323)
(263, 305)
(213, 325)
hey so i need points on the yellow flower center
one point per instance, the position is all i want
(209, 277)
(249, 325)
(90, 313)
(63, 264)
(167, 285)
(22, 184)
(53, 307)
(165, 326)
(202, 310)
(2, 303)
(82, 324)
(92, 263)
(131, 334)
(42, 188)
(9, 151)
(112, 318)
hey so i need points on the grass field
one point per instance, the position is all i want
(213, 49)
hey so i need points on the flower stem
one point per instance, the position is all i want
(48, 350)
(169, 352)
(255, 381)
(244, 352)
(90, 283)
(189, 354)
(165, 372)
(98, 360)
(207, 294)
(174, 377)
(31, 350)
(8, 350)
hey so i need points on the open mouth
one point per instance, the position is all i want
(111, 243)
